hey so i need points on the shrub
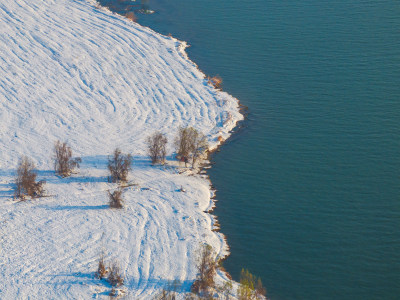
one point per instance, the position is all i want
(206, 271)
(156, 146)
(190, 296)
(64, 164)
(131, 16)
(101, 269)
(250, 288)
(216, 81)
(26, 184)
(116, 200)
(113, 292)
(115, 278)
(119, 166)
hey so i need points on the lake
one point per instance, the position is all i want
(309, 189)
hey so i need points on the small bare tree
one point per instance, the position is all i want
(199, 146)
(116, 200)
(101, 268)
(157, 147)
(183, 143)
(119, 165)
(26, 184)
(64, 164)
(190, 143)
(115, 277)
(206, 271)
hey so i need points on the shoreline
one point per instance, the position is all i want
(206, 163)
(105, 83)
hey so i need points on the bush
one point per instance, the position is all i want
(131, 16)
(26, 184)
(156, 147)
(115, 278)
(116, 200)
(64, 164)
(101, 269)
(119, 166)
(250, 288)
(206, 271)
(216, 81)
(190, 143)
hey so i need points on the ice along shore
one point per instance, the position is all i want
(75, 72)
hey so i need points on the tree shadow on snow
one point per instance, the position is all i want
(100, 162)
(166, 284)
(132, 285)
(77, 207)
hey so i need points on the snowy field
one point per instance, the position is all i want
(72, 72)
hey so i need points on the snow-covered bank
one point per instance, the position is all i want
(72, 72)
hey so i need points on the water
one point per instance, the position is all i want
(309, 191)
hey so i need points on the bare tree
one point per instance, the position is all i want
(26, 184)
(198, 146)
(119, 165)
(206, 271)
(116, 200)
(101, 268)
(64, 164)
(183, 143)
(157, 147)
(115, 277)
(190, 143)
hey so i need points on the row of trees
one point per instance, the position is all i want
(190, 146)
(119, 165)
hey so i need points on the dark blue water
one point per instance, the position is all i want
(309, 191)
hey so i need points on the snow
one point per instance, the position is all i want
(72, 72)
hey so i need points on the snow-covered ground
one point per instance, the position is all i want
(72, 72)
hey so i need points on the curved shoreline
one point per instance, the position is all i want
(206, 164)
(89, 77)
